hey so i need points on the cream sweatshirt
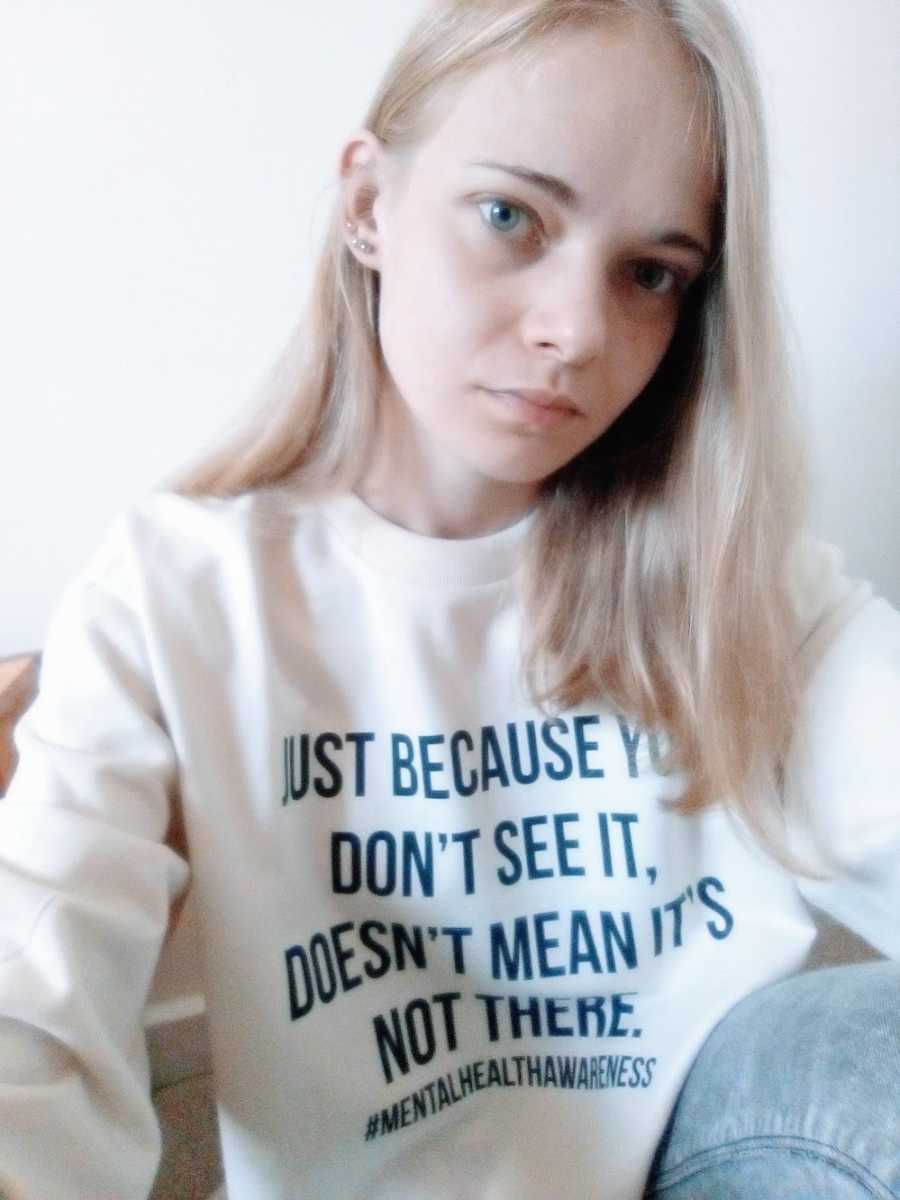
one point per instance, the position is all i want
(453, 947)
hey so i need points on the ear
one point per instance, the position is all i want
(362, 169)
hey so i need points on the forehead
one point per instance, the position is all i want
(617, 103)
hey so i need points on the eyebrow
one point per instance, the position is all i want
(566, 195)
(558, 188)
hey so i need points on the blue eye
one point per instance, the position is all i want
(501, 215)
(656, 278)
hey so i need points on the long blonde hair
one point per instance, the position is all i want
(658, 558)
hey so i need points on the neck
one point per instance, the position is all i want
(424, 508)
(437, 497)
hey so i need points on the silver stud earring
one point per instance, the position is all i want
(358, 243)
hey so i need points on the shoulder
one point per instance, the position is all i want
(849, 645)
(844, 767)
(834, 612)
(174, 571)
(842, 774)
(166, 535)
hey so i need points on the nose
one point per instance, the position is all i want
(567, 315)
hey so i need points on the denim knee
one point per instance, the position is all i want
(795, 1093)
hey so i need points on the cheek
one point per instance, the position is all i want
(437, 306)
(643, 349)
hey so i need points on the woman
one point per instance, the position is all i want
(485, 685)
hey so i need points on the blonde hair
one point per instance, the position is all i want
(658, 558)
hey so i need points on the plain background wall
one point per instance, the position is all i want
(166, 168)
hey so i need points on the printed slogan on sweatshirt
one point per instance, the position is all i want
(587, 953)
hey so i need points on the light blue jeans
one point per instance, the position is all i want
(794, 1095)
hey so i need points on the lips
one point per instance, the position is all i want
(541, 398)
(534, 409)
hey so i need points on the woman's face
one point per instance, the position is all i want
(538, 241)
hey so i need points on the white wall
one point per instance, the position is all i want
(164, 167)
(832, 84)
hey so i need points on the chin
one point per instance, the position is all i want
(518, 474)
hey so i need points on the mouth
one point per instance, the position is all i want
(543, 410)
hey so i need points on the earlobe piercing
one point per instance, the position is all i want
(358, 243)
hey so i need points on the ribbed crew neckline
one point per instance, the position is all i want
(419, 559)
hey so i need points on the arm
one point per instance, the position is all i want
(843, 772)
(86, 885)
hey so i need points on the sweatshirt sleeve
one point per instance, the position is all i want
(842, 783)
(86, 884)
